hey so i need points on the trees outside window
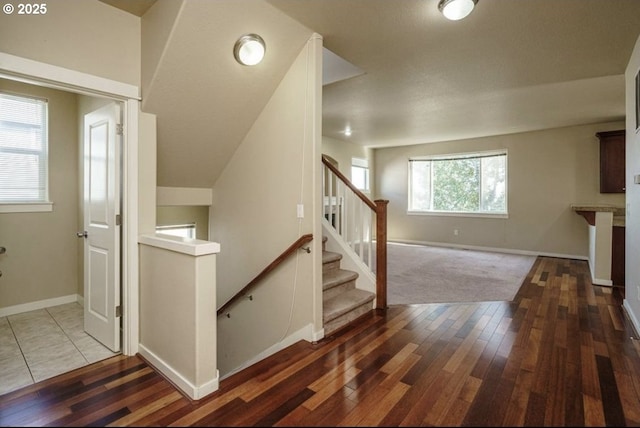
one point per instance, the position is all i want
(467, 183)
(23, 149)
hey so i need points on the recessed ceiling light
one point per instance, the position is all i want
(347, 131)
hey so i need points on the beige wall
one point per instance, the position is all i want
(42, 257)
(343, 152)
(147, 200)
(167, 215)
(632, 230)
(253, 218)
(178, 317)
(83, 35)
(547, 172)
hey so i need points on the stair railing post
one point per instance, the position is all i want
(381, 253)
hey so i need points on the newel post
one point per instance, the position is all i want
(381, 253)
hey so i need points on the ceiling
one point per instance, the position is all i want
(136, 7)
(510, 66)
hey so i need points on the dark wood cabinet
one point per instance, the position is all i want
(612, 161)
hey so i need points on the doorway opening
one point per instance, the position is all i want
(17, 70)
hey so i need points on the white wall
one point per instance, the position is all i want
(82, 35)
(253, 218)
(177, 311)
(547, 172)
(343, 152)
(632, 230)
(185, 214)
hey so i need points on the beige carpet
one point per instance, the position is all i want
(428, 274)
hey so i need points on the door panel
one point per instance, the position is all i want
(102, 240)
(99, 272)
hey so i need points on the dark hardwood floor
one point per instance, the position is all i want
(561, 354)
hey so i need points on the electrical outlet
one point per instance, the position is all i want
(455, 232)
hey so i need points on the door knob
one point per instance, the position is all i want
(83, 234)
(3, 250)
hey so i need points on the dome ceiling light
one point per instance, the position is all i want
(249, 49)
(456, 9)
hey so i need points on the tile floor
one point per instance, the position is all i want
(44, 343)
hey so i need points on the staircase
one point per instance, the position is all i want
(342, 301)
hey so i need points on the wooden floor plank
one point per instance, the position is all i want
(562, 353)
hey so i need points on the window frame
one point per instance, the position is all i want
(464, 155)
(191, 227)
(44, 204)
(363, 164)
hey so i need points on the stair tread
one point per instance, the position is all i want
(336, 277)
(330, 256)
(344, 302)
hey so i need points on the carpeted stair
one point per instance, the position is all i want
(342, 301)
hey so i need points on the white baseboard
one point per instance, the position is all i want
(603, 282)
(491, 249)
(40, 304)
(634, 321)
(193, 391)
(317, 335)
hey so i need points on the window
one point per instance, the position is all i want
(183, 230)
(360, 174)
(23, 150)
(467, 183)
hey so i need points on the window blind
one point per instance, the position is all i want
(23, 149)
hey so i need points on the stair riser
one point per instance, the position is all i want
(326, 267)
(338, 289)
(341, 321)
(334, 297)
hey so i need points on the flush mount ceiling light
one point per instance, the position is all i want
(249, 49)
(456, 9)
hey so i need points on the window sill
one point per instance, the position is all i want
(459, 214)
(26, 207)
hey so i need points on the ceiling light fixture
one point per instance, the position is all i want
(249, 49)
(347, 131)
(456, 9)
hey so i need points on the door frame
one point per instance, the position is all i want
(34, 72)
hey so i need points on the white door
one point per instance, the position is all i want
(102, 142)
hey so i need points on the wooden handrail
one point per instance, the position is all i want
(348, 183)
(286, 253)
